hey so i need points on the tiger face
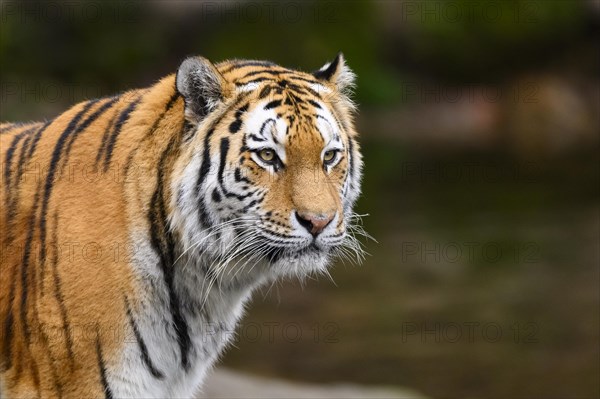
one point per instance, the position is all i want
(272, 181)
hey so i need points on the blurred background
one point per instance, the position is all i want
(480, 131)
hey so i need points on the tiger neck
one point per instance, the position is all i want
(188, 320)
(180, 314)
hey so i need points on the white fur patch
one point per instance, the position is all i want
(248, 87)
(319, 88)
(274, 132)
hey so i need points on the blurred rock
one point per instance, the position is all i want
(533, 116)
(464, 116)
(223, 383)
(550, 115)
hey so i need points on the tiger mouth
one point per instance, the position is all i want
(267, 246)
(277, 253)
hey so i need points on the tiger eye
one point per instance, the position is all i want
(328, 156)
(267, 155)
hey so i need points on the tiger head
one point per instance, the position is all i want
(272, 168)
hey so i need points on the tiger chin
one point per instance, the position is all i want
(135, 228)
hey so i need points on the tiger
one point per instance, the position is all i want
(135, 228)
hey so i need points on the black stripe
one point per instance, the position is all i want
(317, 116)
(224, 149)
(85, 124)
(244, 64)
(256, 138)
(273, 104)
(278, 235)
(172, 100)
(303, 79)
(17, 126)
(142, 345)
(8, 128)
(169, 105)
(7, 332)
(340, 122)
(235, 126)
(189, 130)
(12, 195)
(290, 118)
(59, 296)
(204, 171)
(314, 104)
(26, 330)
(216, 196)
(313, 92)
(102, 367)
(351, 160)
(250, 205)
(241, 110)
(48, 351)
(9, 156)
(72, 129)
(267, 71)
(105, 137)
(25, 264)
(10, 153)
(265, 92)
(295, 98)
(121, 120)
(151, 131)
(257, 80)
(264, 125)
(223, 161)
(38, 136)
(163, 242)
(237, 175)
(296, 88)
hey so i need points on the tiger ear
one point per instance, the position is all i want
(201, 86)
(338, 74)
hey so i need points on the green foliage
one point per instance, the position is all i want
(125, 44)
(466, 39)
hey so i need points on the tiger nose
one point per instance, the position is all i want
(315, 224)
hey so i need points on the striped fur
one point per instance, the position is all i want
(134, 228)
